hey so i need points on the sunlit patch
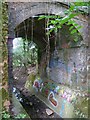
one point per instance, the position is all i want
(16, 42)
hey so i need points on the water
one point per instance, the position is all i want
(33, 106)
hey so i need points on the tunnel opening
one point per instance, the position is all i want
(58, 77)
(41, 77)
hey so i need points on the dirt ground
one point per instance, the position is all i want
(33, 106)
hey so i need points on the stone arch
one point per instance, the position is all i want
(18, 12)
(22, 11)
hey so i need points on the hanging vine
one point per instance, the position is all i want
(48, 45)
(57, 22)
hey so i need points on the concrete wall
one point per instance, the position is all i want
(70, 68)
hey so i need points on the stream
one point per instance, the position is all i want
(34, 106)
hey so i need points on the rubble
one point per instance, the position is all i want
(49, 112)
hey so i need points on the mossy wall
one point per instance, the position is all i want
(63, 85)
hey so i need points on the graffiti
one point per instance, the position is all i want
(45, 89)
(57, 64)
(37, 84)
(41, 87)
(62, 108)
(67, 68)
(52, 99)
(49, 89)
(52, 87)
(58, 68)
(73, 99)
(67, 96)
(56, 90)
(45, 92)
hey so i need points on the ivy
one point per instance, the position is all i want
(57, 22)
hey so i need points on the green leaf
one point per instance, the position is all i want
(51, 30)
(79, 33)
(72, 7)
(59, 26)
(75, 39)
(81, 3)
(72, 15)
(75, 24)
(70, 22)
(64, 20)
(53, 22)
(66, 12)
(73, 31)
(71, 27)
(41, 17)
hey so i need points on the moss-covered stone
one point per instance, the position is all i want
(30, 80)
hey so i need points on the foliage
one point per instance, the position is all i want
(24, 55)
(56, 21)
(4, 62)
(5, 114)
(20, 116)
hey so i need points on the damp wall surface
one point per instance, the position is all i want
(68, 62)
(70, 68)
(64, 86)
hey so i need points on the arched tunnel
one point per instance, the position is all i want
(62, 83)
(32, 28)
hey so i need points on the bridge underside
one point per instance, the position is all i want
(64, 87)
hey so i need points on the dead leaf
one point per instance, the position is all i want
(7, 104)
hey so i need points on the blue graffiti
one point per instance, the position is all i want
(62, 108)
(57, 64)
(53, 63)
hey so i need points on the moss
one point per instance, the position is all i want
(4, 94)
(30, 81)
